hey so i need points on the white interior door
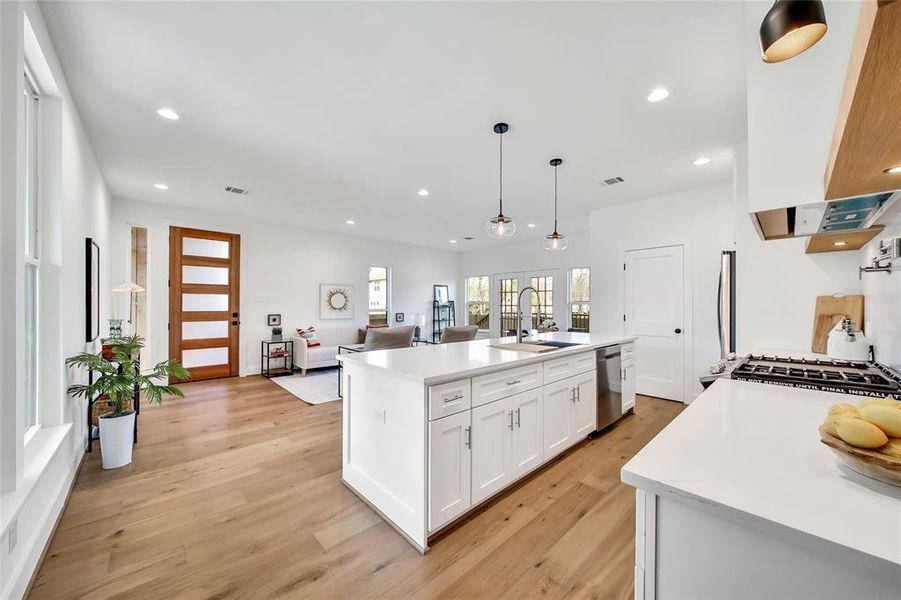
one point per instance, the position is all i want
(653, 305)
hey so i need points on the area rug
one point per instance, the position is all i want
(317, 387)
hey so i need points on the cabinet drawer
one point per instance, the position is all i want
(628, 349)
(561, 368)
(449, 398)
(494, 386)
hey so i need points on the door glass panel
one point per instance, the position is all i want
(213, 275)
(200, 330)
(544, 309)
(204, 357)
(509, 289)
(197, 302)
(200, 247)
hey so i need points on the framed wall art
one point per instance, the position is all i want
(336, 301)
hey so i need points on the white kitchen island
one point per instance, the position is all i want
(431, 432)
(738, 498)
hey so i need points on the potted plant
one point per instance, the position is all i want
(117, 379)
(276, 333)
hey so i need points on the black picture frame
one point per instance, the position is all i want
(440, 293)
(398, 317)
(274, 320)
(92, 290)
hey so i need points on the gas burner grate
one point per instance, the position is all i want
(851, 377)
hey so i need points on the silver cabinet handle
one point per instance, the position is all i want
(514, 382)
(623, 371)
(511, 420)
(578, 394)
(572, 394)
(518, 418)
(453, 398)
(468, 439)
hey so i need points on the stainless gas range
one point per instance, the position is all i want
(858, 378)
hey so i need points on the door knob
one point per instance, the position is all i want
(677, 330)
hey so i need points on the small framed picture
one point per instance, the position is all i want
(399, 317)
(274, 320)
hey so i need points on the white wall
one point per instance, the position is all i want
(525, 256)
(699, 219)
(777, 283)
(883, 296)
(75, 204)
(281, 269)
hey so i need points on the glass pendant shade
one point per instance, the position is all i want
(500, 227)
(790, 27)
(555, 242)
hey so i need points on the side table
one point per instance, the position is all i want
(280, 351)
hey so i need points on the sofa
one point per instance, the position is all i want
(323, 355)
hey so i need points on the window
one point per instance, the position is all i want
(477, 302)
(378, 295)
(544, 309)
(31, 252)
(509, 312)
(579, 298)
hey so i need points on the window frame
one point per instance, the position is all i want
(570, 303)
(387, 295)
(31, 237)
(486, 303)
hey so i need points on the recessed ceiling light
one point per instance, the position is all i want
(161, 186)
(893, 170)
(168, 113)
(530, 225)
(700, 161)
(350, 221)
(453, 241)
(658, 94)
(423, 192)
(840, 243)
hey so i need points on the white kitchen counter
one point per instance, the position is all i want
(432, 364)
(750, 453)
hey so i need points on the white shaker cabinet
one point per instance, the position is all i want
(492, 425)
(628, 377)
(584, 409)
(558, 399)
(449, 468)
(526, 437)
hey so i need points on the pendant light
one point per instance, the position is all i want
(555, 241)
(790, 27)
(501, 226)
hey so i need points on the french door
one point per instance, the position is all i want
(540, 307)
(204, 311)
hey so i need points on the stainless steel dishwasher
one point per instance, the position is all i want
(610, 386)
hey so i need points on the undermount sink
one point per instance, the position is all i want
(555, 344)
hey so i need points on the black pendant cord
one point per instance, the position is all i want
(500, 177)
(555, 199)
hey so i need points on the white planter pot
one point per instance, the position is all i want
(116, 439)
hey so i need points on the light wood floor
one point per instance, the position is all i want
(234, 493)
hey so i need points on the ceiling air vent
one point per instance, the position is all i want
(236, 190)
(613, 180)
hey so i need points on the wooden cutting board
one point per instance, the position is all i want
(829, 311)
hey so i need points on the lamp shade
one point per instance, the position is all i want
(790, 27)
(128, 287)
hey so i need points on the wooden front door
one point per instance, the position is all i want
(204, 311)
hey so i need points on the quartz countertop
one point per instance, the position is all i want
(755, 449)
(433, 364)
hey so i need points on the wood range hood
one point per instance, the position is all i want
(866, 141)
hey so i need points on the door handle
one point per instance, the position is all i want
(454, 398)
(518, 418)
(677, 330)
(572, 395)
(514, 381)
(511, 420)
(468, 438)
(578, 394)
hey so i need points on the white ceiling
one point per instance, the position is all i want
(334, 111)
